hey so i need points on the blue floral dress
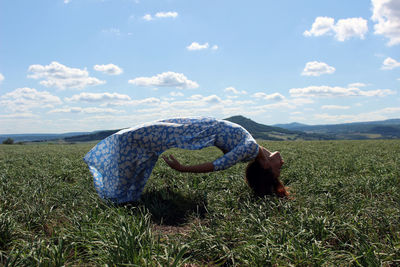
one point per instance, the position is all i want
(122, 163)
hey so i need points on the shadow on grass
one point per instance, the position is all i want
(168, 207)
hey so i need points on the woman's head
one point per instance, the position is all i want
(265, 181)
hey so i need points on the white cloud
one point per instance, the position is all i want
(24, 99)
(196, 46)
(321, 26)
(169, 14)
(161, 15)
(285, 104)
(147, 17)
(196, 97)
(89, 110)
(358, 85)
(112, 99)
(62, 77)
(110, 69)
(19, 115)
(165, 79)
(98, 97)
(274, 96)
(145, 101)
(386, 14)
(176, 94)
(334, 107)
(1, 77)
(352, 27)
(316, 68)
(67, 1)
(390, 63)
(233, 90)
(212, 99)
(336, 91)
(382, 114)
(344, 29)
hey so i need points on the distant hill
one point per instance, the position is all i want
(261, 131)
(37, 137)
(98, 135)
(290, 126)
(387, 129)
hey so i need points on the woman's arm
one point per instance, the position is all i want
(200, 168)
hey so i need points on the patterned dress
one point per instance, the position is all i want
(122, 163)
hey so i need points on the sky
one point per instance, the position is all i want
(86, 65)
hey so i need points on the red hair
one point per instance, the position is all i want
(263, 181)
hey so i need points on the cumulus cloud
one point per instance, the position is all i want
(165, 79)
(174, 94)
(89, 110)
(112, 99)
(233, 90)
(344, 28)
(170, 14)
(98, 97)
(390, 63)
(274, 96)
(24, 99)
(212, 99)
(336, 91)
(358, 85)
(62, 77)
(145, 101)
(110, 69)
(147, 17)
(161, 15)
(19, 116)
(386, 14)
(204, 104)
(321, 26)
(352, 27)
(334, 107)
(1, 77)
(196, 46)
(316, 68)
(381, 114)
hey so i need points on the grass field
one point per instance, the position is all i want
(345, 211)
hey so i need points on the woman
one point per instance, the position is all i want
(122, 163)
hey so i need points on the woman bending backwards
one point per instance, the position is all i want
(122, 163)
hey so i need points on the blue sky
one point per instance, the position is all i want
(84, 65)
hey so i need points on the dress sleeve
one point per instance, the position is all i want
(243, 152)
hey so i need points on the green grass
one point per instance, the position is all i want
(345, 211)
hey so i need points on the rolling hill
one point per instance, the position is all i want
(261, 131)
(387, 129)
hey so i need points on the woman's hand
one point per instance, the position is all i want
(172, 162)
(200, 168)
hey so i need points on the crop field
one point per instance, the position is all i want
(345, 210)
